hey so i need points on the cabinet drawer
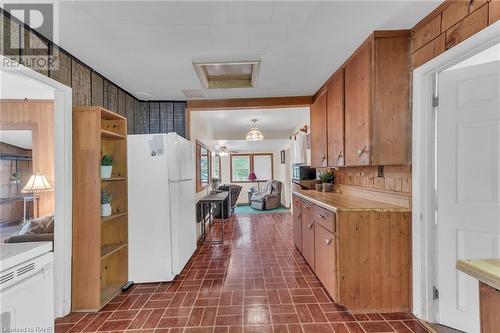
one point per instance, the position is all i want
(324, 217)
(307, 207)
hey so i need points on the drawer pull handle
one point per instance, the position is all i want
(361, 151)
(322, 216)
(310, 225)
(307, 207)
(299, 216)
(328, 241)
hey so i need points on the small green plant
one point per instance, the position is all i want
(106, 197)
(215, 181)
(326, 177)
(107, 160)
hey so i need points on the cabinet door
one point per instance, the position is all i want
(335, 119)
(358, 77)
(318, 132)
(308, 238)
(326, 259)
(297, 223)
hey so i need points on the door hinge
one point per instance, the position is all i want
(435, 293)
(435, 101)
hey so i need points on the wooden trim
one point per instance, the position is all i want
(199, 186)
(438, 10)
(251, 156)
(248, 103)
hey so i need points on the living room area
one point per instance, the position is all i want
(249, 152)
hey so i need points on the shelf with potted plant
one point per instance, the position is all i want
(100, 219)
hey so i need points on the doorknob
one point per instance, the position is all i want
(328, 241)
(361, 151)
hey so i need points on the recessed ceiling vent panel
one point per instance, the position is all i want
(227, 75)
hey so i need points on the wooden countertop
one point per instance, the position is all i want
(342, 202)
(485, 270)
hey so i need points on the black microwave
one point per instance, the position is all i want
(303, 172)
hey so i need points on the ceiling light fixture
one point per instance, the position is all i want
(223, 151)
(254, 134)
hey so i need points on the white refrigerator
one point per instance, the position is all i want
(161, 194)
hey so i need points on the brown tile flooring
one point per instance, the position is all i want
(256, 282)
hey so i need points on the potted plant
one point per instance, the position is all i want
(327, 178)
(106, 166)
(215, 184)
(106, 203)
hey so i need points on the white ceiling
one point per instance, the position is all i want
(282, 119)
(150, 46)
(18, 138)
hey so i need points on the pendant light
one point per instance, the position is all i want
(254, 134)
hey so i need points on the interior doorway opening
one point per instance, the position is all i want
(35, 156)
(456, 187)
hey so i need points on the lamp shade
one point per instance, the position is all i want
(252, 176)
(254, 134)
(36, 184)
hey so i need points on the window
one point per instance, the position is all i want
(243, 164)
(216, 167)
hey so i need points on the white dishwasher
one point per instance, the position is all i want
(27, 287)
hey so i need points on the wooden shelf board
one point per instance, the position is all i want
(109, 115)
(109, 292)
(112, 217)
(113, 179)
(109, 249)
(111, 135)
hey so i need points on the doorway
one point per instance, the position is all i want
(30, 101)
(456, 162)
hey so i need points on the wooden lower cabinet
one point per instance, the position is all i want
(489, 300)
(297, 223)
(308, 238)
(362, 257)
(325, 249)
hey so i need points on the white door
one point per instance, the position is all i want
(468, 185)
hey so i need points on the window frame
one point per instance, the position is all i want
(251, 157)
(199, 185)
(219, 160)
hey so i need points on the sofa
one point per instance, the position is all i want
(269, 197)
(37, 230)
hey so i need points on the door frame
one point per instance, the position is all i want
(424, 237)
(63, 183)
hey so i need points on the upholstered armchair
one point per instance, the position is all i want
(269, 197)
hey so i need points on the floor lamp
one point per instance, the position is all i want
(37, 184)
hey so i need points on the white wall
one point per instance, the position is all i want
(279, 173)
(199, 130)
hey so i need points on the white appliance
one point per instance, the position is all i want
(161, 201)
(27, 287)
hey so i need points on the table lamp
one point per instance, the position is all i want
(252, 177)
(37, 184)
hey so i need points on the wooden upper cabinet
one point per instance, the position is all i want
(358, 84)
(335, 119)
(377, 115)
(318, 132)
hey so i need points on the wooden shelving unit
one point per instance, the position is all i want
(100, 244)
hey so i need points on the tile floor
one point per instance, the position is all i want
(256, 282)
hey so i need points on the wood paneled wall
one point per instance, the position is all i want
(448, 25)
(37, 115)
(91, 88)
